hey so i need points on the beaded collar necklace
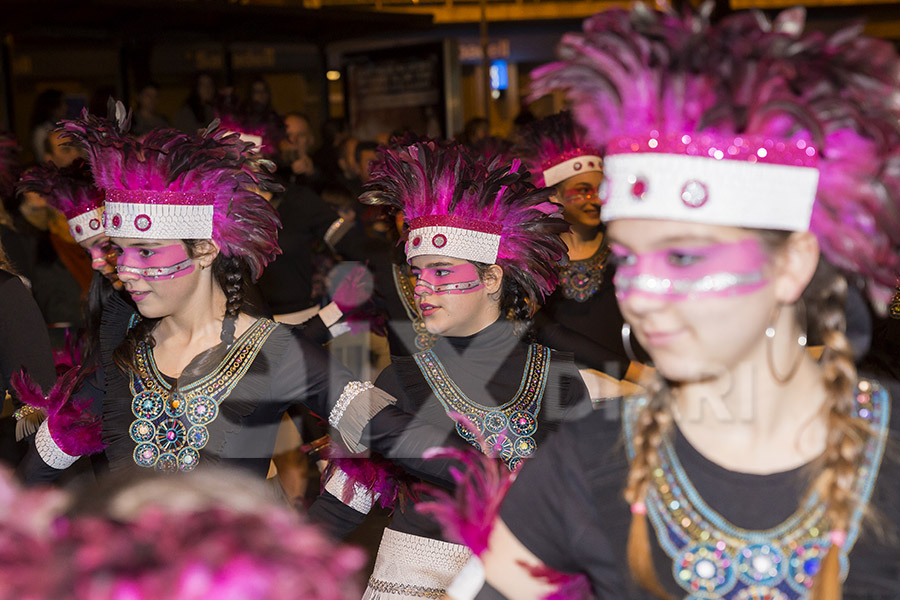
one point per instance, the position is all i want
(713, 558)
(510, 426)
(579, 280)
(170, 428)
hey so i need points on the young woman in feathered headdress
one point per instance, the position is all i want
(581, 316)
(483, 245)
(197, 375)
(751, 177)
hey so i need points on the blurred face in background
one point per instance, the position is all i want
(578, 195)
(36, 211)
(206, 89)
(148, 100)
(259, 93)
(103, 257)
(366, 157)
(299, 133)
(57, 152)
(347, 159)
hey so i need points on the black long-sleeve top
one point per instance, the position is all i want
(489, 369)
(24, 342)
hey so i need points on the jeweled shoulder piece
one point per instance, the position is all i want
(712, 558)
(170, 428)
(512, 425)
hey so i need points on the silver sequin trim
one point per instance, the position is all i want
(362, 500)
(663, 285)
(49, 452)
(351, 391)
(404, 590)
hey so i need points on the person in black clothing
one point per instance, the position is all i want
(581, 316)
(747, 465)
(24, 344)
(482, 244)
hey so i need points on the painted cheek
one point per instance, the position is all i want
(722, 270)
(462, 279)
(167, 262)
(98, 258)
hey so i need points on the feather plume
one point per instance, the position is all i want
(242, 119)
(641, 71)
(467, 514)
(374, 473)
(74, 429)
(70, 355)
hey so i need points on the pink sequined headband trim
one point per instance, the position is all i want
(453, 221)
(569, 154)
(166, 197)
(746, 148)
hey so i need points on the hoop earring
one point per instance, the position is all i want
(801, 341)
(626, 342)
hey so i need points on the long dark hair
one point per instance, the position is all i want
(513, 302)
(98, 297)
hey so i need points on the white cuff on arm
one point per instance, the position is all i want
(358, 403)
(469, 581)
(362, 500)
(49, 451)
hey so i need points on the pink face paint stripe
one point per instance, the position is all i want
(461, 279)
(717, 270)
(167, 262)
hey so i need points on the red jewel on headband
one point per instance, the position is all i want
(576, 166)
(94, 224)
(142, 222)
(78, 229)
(638, 189)
(416, 241)
(117, 221)
(439, 241)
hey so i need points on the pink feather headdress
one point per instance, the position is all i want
(456, 205)
(173, 185)
(747, 123)
(71, 191)
(264, 131)
(207, 550)
(555, 148)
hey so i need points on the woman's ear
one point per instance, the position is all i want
(795, 266)
(206, 252)
(493, 279)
